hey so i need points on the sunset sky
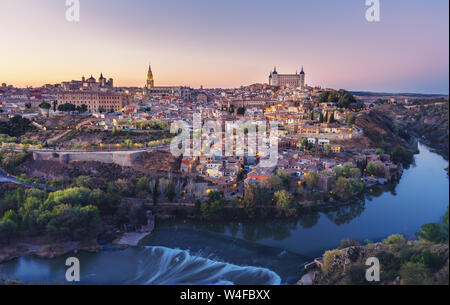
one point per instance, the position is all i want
(218, 43)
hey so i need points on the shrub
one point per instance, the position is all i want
(395, 239)
(328, 260)
(414, 274)
(432, 232)
(431, 260)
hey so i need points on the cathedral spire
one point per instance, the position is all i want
(150, 80)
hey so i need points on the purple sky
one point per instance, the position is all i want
(218, 43)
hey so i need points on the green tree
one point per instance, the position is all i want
(414, 274)
(84, 181)
(311, 179)
(323, 97)
(45, 106)
(142, 185)
(331, 118)
(375, 168)
(395, 239)
(284, 202)
(431, 232)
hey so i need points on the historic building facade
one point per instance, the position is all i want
(94, 100)
(152, 90)
(287, 80)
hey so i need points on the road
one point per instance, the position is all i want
(5, 178)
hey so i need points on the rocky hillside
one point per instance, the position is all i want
(411, 263)
(381, 130)
(428, 119)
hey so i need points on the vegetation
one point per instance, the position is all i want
(16, 126)
(342, 98)
(375, 169)
(67, 107)
(423, 262)
(284, 203)
(395, 239)
(71, 214)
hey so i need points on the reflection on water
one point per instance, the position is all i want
(196, 252)
(421, 196)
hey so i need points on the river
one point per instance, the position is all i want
(255, 252)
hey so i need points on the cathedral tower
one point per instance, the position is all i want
(150, 81)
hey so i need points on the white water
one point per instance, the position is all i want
(164, 266)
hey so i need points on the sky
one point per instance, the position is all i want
(228, 43)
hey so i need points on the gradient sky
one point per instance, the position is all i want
(228, 43)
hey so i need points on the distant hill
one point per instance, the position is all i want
(385, 94)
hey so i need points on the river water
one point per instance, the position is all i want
(255, 252)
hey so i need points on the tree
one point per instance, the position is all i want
(414, 274)
(351, 119)
(346, 187)
(142, 185)
(331, 118)
(45, 106)
(431, 232)
(83, 108)
(311, 179)
(345, 99)
(323, 97)
(284, 203)
(402, 155)
(241, 111)
(304, 144)
(84, 181)
(329, 259)
(333, 97)
(67, 107)
(376, 169)
(395, 239)
(18, 125)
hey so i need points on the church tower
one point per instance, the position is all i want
(150, 81)
(302, 79)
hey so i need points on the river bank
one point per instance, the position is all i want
(43, 248)
(279, 246)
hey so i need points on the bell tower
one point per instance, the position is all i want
(150, 81)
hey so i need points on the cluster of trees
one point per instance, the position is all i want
(11, 159)
(376, 169)
(213, 206)
(415, 263)
(159, 190)
(348, 181)
(271, 193)
(241, 110)
(328, 118)
(434, 232)
(342, 98)
(71, 108)
(16, 126)
(67, 107)
(71, 214)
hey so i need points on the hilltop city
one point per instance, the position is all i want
(98, 160)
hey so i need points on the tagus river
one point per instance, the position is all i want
(255, 252)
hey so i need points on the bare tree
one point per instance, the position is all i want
(153, 189)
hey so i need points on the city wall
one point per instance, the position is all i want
(122, 158)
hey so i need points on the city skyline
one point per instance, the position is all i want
(228, 44)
